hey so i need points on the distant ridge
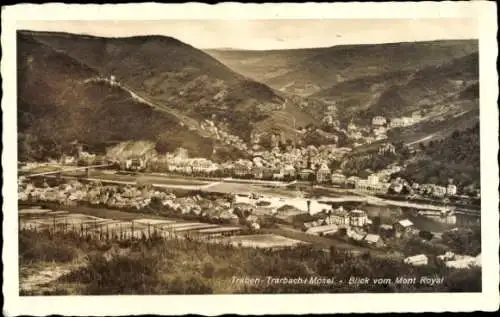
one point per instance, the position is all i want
(308, 70)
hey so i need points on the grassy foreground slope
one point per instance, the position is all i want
(191, 267)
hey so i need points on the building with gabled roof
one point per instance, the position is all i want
(417, 260)
(378, 120)
(404, 227)
(320, 230)
(323, 173)
(374, 240)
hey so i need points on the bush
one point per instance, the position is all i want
(464, 241)
(188, 285)
(32, 248)
(208, 270)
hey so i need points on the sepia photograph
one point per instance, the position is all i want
(253, 155)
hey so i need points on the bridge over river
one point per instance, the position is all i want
(61, 171)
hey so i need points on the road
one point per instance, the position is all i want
(189, 122)
(68, 169)
(422, 139)
(373, 200)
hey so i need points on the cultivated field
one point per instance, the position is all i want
(38, 219)
(270, 241)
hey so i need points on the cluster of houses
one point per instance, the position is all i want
(435, 190)
(403, 122)
(431, 190)
(458, 261)
(338, 217)
(358, 227)
(180, 165)
(372, 184)
(307, 164)
(381, 182)
(226, 138)
(299, 163)
(382, 122)
(369, 134)
(128, 197)
(380, 126)
(310, 157)
(378, 130)
(375, 183)
(358, 134)
(351, 223)
(449, 259)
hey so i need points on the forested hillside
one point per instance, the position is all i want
(175, 76)
(456, 157)
(57, 106)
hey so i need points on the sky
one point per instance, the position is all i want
(272, 34)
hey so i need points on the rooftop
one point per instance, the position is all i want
(405, 223)
(372, 237)
(417, 257)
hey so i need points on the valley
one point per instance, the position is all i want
(245, 162)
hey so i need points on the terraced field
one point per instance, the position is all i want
(40, 219)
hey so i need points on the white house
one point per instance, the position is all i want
(379, 120)
(320, 230)
(289, 170)
(358, 218)
(338, 216)
(439, 191)
(323, 173)
(372, 180)
(451, 190)
(357, 236)
(202, 165)
(396, 187)
(447, 256)
(402, 122)
(386, 148)
(463, 262)
(404, 227)
(351, 127)
(374, 240)
(338, 178)
(417, 260)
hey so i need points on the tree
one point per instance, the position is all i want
(311, 178)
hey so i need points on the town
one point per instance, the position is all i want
(306, 164)
(284, 220)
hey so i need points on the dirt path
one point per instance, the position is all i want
(40, 279)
